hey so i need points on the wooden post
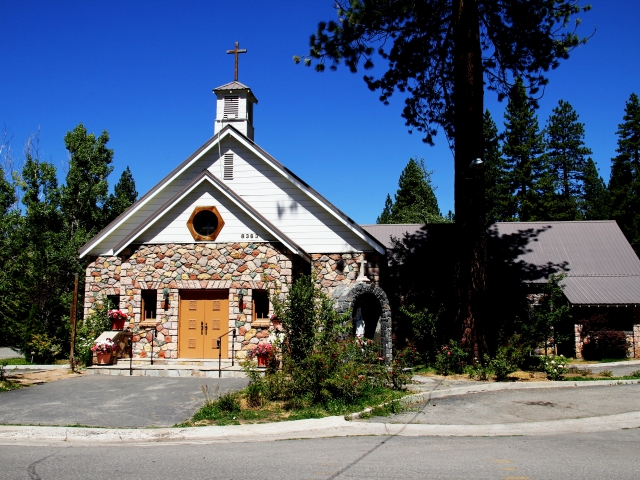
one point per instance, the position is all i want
(72, 317)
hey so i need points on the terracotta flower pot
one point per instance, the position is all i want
(262, 359)
(103, 358)
(117, 324)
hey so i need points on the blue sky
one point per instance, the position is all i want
(144, 71)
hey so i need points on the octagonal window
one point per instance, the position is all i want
(205, 223)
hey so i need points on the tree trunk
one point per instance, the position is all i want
(471, 262)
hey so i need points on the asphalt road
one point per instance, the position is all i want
(110, 401)
(611, 455)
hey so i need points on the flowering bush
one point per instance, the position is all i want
(450, 359)
(261, 349)
(104, 347)
(117, 315)
(555, 367)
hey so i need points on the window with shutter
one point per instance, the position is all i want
(228, 166)
(231, 107)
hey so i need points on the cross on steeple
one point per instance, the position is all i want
(236, 52)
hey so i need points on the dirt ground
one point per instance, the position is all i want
(38, 378)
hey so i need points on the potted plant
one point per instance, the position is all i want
(117, 317)
(103, 351)
(262, 351)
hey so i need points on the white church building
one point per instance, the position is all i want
(200, 255)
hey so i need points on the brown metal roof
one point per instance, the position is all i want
(384, 233)
(600, 266)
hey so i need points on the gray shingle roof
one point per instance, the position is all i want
(383, 233)
(600, 266)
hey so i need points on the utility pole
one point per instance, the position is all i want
(72, 317)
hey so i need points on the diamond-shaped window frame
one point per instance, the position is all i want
(203, 238)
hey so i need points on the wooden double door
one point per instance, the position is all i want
(203, 318)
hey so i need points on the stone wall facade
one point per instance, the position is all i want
(238, 267)
(334, 270)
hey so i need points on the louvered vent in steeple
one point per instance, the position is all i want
(231, 106)
(228, 166)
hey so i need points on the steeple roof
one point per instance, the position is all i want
(235, 85)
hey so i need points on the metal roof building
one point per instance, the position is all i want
(600, 267)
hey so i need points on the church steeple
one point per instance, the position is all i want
(235, 103)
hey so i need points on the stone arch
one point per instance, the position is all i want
(351, 296)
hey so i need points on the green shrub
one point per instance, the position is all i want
(43, 348)
(481, 371)
(507, 360)
(555, 367)
(229, 402)
(606, 373)
(89, 329)
(450, 359)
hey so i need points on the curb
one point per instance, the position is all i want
(302, 429)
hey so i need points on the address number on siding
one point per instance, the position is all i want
(249, 235)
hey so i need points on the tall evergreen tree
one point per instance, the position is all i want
(415, 200)
(86, 190)
(624, 183)
(498, 196)
(443, 53)
(596, 201)
(123, 196)
(522, 149)
(565, 160)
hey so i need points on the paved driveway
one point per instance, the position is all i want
(110, 401)
(529, 405)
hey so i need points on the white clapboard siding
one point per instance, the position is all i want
(290, 209)
(172, 227)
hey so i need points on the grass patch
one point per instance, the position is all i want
(8, 385)
(16, 361)
(236, 409)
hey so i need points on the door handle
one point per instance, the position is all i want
(201, 327)
(206, 328)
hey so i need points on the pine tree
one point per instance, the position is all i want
(385, 216)
(123, 196)
(595, 203)
(624, 183)
(523, 150)
(415, 200)
(86, 190)
(565, 162)
(444, 54)
(498, 198)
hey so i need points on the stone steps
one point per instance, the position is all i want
(182, 367)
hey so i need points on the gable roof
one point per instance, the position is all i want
(229, 130)
(228, 193)
(599, 265)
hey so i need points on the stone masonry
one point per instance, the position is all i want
(238, 267)
(333, 270)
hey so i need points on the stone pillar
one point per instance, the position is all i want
(577, 328)
(636, 341)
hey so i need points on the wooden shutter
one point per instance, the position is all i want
(231, 107)
(228, 166)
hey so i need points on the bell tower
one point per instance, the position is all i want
(235, 101)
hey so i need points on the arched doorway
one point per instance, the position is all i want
(374, 307)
